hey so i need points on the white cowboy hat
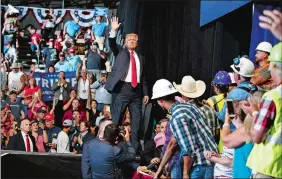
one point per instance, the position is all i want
(14, 65)
(190, 88)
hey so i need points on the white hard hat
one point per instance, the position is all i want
(231, 74)
(264, 46)
(162, 88)
(243, 66)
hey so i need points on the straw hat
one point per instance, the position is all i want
(14, 65)
(190, 88)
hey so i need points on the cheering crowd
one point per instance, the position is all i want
(234, 134)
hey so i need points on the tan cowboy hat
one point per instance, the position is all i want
(191, 88)
(14, 65)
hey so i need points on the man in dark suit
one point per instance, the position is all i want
(23, 141)
(127, 82)
(101, 157)
(61, 90)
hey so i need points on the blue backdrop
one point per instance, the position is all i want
(259, 34)
(212, 10)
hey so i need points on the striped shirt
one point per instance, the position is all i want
(192, 132)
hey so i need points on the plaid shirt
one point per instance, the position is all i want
(211, 118)
(266, 116)
(191, 132)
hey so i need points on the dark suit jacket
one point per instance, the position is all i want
(16, 142)
(66, 90)
(100, 159)
(121, 66)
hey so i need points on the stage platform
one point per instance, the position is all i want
(15, 164)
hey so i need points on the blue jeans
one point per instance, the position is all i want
(100, 107)
(96, 73)
(33, 47)
(176, 172)
(202, 172)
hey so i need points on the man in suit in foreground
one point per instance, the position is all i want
(101, 157)
(23, 141)
(127, 82)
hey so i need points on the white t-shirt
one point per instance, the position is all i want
(63, 143)
(83, 88)
(221, 171)
(12, 55)
(14, 81)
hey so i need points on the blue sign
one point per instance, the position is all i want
(212, 10)
(259, 34)
(100, 11)
(46, 81)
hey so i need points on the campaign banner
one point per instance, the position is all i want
(46, 81)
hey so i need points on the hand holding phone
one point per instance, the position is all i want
(230, 108)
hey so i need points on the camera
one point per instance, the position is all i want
(122, 131)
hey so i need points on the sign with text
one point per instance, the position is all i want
(46, 81)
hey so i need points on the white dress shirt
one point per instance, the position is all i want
(25, 141)
(137, 61)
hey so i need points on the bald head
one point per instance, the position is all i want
(25, 125)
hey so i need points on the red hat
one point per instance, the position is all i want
(49, 117)
(72, 50)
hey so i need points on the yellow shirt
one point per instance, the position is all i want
(220, 100)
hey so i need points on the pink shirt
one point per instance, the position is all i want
(39, 142)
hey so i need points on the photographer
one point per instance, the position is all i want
(105, 151)
(102, 95)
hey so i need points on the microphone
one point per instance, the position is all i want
(149, 167)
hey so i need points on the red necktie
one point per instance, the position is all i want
(27, 144)
(133, 70)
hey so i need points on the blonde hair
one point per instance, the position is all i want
(276, 67)
(130, 35)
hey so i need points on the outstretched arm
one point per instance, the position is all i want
(112, 38)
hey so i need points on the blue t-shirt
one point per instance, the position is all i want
(72, 29)
(16, 108)
(74, 60)
(64, 66)
(99, 29)
(240, 159)
(10, 35)
(50, 55)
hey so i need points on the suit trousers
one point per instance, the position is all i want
(127, 96)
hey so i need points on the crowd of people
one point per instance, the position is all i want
(225, 136)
